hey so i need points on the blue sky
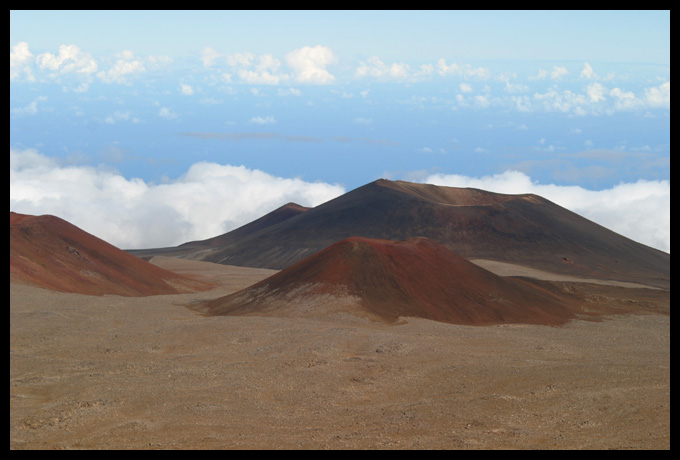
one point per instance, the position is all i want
(152, 128)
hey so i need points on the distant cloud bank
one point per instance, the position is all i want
(208, 200)
(577, 89)
(211, 199)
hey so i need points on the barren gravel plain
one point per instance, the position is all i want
(113, 372)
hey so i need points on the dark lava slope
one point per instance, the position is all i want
(522, 229)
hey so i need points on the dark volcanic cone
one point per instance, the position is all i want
(521, 229)
(48, 252)
(412, 278)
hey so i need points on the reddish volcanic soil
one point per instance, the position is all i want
(48, 252)
(412, 278)
(114, 372)
(351, 348)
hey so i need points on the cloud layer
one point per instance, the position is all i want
(208, 200)
(211, 199)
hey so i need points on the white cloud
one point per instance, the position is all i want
(264, 69)
(167, 113)
(158, 62)
(465, 88)
(81, 88)
(30, 109)
(210, 199)
(253, 77)
(640, 210)
(558, 72)
(595, 92)
(374, 67)
(514, 88)
(185, 89)
(125, 66)
(209, 56)
(482, 100)
(72, 60)
(268, 120)
(69, 59)
(587, 71)
(20, 59)
(540, 75)
(659, 96)
(465, 71)
(481, 73)
(425, 69)
(595, 99)
(624, 100)
(443, 69)
(240, 59)
(309, 64)
(117, 116)
(257, 70)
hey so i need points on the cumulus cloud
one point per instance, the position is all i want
(309, 64)
(658, 96)
(124, 67)
(208, 200)
(595, 99)
(251, 69)
(72, 60)
(398, 71)
(465, 70)
(262, 70)
(119, 115)
(20, 59)
(374, 67)
(209, 56)
(185, 89)
(587, 71)
(640, 210)
(167, 113)
(445, 69)
(558, 72)
(69, 59)
(595, 92)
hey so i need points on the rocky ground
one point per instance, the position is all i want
(116, 372)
